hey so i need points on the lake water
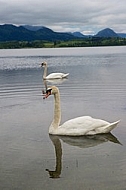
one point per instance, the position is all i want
(30, 159)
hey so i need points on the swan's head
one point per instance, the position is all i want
(43, 64)
(50, 91)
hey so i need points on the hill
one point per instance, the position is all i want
(33, 28)
(106, 33)
(36, 36)
(79, 35)
(122, 35)
(10, 32)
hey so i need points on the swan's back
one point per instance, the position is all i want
(57, 75)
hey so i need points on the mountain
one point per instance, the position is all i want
(122, 35)
(10, 32)
(33, 28)
(79, 35)
(106, 33)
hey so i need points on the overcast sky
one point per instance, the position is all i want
(86, 16)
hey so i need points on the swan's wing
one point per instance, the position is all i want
(82, 126)
(57, 76)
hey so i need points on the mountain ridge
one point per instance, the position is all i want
(107, 33)
(10, 32)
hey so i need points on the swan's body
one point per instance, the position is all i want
(84, 125)
(52, 75)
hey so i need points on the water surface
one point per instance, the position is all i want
(29, 157)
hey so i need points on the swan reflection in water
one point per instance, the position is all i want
(82, 142)
(53, 82)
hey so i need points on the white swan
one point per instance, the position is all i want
(52, 75)
(84, 125)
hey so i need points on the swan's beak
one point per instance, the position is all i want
(45, 95)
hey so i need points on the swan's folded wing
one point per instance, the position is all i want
(82, 126)
(56, 76)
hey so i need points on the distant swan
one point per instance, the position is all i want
(52, 75)
(79, 126)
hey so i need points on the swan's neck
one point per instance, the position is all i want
(45, 72)
(57, 111)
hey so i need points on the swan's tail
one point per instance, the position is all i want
(65, 75)
(111, 126)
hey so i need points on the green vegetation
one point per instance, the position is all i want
(82, 42)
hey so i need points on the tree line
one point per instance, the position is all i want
(82, 42)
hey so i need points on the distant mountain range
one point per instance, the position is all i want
(105, 33)
(9, 32)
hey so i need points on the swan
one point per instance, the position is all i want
(84, 125)
(52, 75)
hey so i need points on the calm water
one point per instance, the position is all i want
(30, 159)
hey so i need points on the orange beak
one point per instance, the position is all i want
(46, 95)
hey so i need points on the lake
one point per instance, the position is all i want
(30, 158)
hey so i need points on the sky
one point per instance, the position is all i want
(85, 16)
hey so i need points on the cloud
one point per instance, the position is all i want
(66, 15)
